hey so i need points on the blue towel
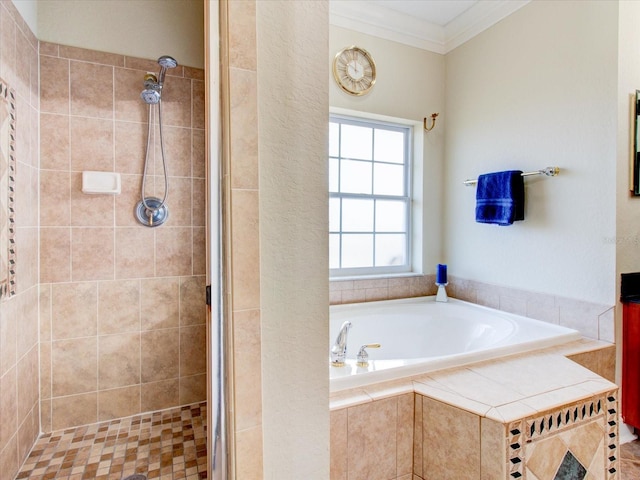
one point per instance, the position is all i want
(500, 197)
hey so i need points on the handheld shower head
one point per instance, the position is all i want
(165, 63)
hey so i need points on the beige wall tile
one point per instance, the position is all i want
(118, 403)
(74, 410)
(90, 210)
(246, 250)
(131, 143)
(193, 310)
(368, 457)
(118, 306)
(127, 200)
(338, 444)
(493, 450)
(459, 456)
(404, 435)
(74, 310)
(45, 370)
(8, 406)
(93, 56)
(91, 90)
(180, 202)
(243, 131)
(54, 93)
(92, 254)
(91, 144)
(173, 247)
(27, 321)
(55, 255)
(247, 378)
(160, 352)
(248, 453)
(193, 389)
(242, 37)
(176, 102)
(28, 432)
(199, 251)
(45, 415)
(27, 268)
(54, 142)
(9, 462)
(159, 395)
(28, 385)
(177, 149)
(8, 336)
(45, 312)
(198, 156)
(74, 366)
(55, 198)
(135, 254)
(198, 99)
(417, 436)
(127, 87)
(159, 303)
(193, 350)
(118, 360)
(199, 192)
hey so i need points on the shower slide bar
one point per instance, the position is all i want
(549, 172)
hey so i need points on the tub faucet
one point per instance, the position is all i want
(339, 349)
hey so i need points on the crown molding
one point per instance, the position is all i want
(372, 19)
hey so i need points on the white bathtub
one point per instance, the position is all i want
(420, 335)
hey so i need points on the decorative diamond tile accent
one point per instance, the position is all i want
(570, 469)
(524, 433)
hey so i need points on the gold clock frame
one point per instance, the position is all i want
(339, 79)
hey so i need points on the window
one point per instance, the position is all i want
(369, 197)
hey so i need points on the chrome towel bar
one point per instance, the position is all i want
(549, 172)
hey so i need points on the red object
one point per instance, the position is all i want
(631, 364)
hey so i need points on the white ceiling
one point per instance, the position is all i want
(435, 25)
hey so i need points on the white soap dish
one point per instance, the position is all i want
(101, 182)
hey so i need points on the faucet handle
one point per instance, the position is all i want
(363, 356)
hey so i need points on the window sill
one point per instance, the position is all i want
(376, 277)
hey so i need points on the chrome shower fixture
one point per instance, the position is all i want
(153, 83)
(153, 211)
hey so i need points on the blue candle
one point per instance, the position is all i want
(441, 274)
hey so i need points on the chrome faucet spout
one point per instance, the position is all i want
(339, 348)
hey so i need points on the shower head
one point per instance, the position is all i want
(165, 62)
(150, 96)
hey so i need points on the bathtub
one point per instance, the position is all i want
(420, 335)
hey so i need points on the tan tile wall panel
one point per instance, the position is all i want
(374, 440)
(19, 358)
(127, 299)
(243, 210)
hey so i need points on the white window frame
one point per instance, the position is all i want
(373, 121)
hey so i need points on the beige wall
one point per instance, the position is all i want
(410, 86)
(293, 141)
(139, 28)
(19, 398)
(126, 300)
(537, 89)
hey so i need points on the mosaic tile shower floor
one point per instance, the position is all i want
(166, 445)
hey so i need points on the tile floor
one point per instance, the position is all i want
(166, 445)
(630, 460)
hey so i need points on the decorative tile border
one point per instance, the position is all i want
(527, 430)
(7, 192)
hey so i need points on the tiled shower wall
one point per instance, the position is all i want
(19, 419)
(122, 313)
(238, 19)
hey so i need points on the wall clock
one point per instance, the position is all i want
(354, 70)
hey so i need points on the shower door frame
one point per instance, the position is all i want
(220, 465)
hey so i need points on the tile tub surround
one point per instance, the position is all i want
(134, 314)
(591, 320)
(543, 395)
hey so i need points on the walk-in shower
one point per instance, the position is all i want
(153, 211)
